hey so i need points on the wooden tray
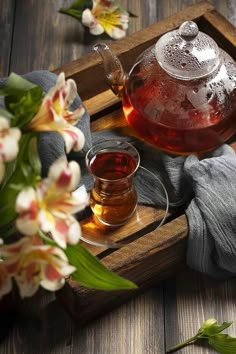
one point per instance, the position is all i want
(155, 255)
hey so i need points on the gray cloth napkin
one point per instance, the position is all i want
(206, 189)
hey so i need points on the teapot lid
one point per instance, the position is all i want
(187, 53)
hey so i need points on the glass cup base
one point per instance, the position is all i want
(149, 215)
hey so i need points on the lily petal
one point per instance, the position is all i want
(65, 175)
(9, 138)
(27, 288)
(74, 138)
(52, 286)
(10, 147)
(115, 32)
(71, 92)
(26, 206)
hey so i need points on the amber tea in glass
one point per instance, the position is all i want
(113, 198)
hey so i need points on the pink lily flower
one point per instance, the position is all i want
(32, 264)
(106, 16)
(50, 205)
(9, 138)
(54, 115)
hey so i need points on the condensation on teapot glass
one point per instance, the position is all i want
(187, 53)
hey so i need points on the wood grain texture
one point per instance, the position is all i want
(198, 298)
(44, 38)
(7, 9)
(152, 322)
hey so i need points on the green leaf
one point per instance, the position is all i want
(223, 343)
(81, 4)
(46, 238)
(209, 330)
(210, 327)
(33, 156)
(72, 12)
(15, 85)
(8, 230)
(24, 108)
(22, 99)
(76, 9)
(92, 273)
(6, 114)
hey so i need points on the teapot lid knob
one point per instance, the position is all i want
(188, 30)
(187, 53)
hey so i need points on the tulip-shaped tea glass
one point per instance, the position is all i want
(126, 199)
(113, 198)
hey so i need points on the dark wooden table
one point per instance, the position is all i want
(34, 36)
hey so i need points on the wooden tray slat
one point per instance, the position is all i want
(225, 28)
(100, 102)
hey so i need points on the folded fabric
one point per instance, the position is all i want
(212, 213)
(206, 188)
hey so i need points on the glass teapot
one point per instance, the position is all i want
(180, 94)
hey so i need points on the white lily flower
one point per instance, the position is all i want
(50, 206)
(33, 264)
(54, 115)
(106, 16)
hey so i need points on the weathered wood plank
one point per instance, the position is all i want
(42, 326)
(135, 328)
(7, 8)
(192, 298)
(44, 38)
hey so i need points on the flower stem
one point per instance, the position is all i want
(182, 344)
(71, 12)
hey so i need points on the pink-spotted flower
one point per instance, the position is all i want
(106, 16)
(54, 115)
(9, 138)
(50, 206)
(32, 264)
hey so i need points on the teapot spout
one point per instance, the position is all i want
(114, 72)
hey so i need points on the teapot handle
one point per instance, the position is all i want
(115, 75)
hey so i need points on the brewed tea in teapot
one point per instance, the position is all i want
(180, 94)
